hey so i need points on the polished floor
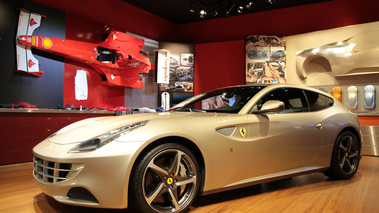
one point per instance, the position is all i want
(306, 193)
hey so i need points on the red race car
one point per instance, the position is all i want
(119, 57)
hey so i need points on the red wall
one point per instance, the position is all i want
(218, 65)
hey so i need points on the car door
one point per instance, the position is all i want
(286, 140)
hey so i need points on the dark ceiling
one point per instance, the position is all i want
(178, 11)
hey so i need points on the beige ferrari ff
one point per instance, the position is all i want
(219, 140)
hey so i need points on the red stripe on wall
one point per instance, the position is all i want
(369, 120)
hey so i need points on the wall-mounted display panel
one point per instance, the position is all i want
(265, 59)
(181, 81)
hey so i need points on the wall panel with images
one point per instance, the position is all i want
(265, 59)
(181, 83)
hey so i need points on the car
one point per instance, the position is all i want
(184, 73)
(352, 97)
(369, 93)
(337, 93)
(278, 54)
(258, 54)
(218, 140)
(353, 56)
(256, 69)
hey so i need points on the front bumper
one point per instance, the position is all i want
(94, 179)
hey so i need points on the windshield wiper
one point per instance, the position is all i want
(190, 110)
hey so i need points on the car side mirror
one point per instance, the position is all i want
(271, 106)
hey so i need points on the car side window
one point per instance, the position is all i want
(294, 100)
(318, 101)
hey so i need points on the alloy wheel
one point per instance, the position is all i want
(169, 181)
(348, 154)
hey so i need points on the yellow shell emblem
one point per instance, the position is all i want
(243, 132)
(47, 43)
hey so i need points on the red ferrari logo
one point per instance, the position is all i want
(30, 63)
(32, 22)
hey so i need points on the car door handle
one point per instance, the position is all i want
(319, 126)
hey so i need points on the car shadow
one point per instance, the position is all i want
(315, 181)
(45, 204)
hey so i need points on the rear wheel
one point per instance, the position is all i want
(345, 157)
(166, 179)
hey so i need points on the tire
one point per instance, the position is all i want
(166, 179)
(345, 157)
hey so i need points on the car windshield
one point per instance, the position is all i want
(225, 100)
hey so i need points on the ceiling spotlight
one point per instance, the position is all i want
(192, 7)
(216, 12)
(270, 2)
(240, 9)
(250, 4)
(230, 7)
(203, 13)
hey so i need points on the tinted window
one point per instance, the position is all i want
(294, 99)
(318, 101)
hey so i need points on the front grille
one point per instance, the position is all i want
(51, 172)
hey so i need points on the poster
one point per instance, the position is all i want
(181, 71)
(265, 59)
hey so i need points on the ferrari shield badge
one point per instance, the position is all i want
(243, 132)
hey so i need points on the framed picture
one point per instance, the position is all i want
(265, 58)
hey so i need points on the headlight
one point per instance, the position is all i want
(103, 139)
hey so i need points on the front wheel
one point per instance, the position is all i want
(345, 157)
(166, 179)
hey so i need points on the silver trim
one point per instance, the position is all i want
(45, 173)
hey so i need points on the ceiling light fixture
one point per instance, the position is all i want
(203, 13)
(241, 7)
(250, 5)
(270, 2)
(192, 6)
(216, 12)
(225, 7)
(230, 7)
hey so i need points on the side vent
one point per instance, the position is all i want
(227, 131)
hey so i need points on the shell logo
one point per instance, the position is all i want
(47, 43)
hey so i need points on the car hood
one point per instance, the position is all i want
(93, 127)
